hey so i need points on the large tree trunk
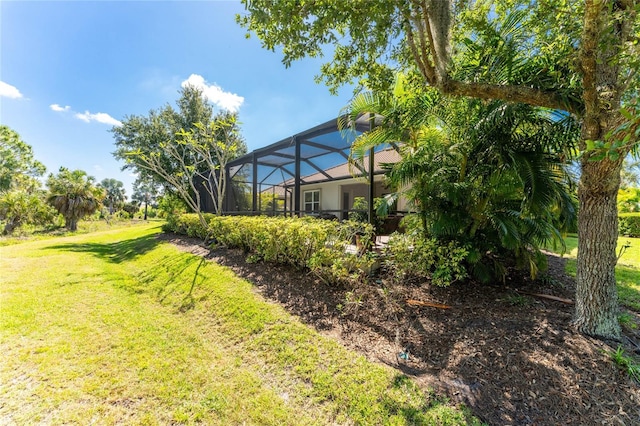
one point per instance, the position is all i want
(607, 27)
(596, 294)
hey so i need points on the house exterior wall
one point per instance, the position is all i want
(329, 194)
(332, 194)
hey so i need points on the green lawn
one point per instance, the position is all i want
(627, 269)
(115, 327)
(28, 233)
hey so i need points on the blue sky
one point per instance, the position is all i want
(71, 70)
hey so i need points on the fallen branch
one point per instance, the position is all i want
(548, 296)
(413, 302)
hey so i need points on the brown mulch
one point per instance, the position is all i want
(512, 358)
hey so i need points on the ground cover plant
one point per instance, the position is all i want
(118, 326)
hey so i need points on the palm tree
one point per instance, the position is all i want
(115, 194)
(145, 191)
(489, 175)
(74, 195)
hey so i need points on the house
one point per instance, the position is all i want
(307, 173)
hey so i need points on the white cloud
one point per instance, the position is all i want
(214, 93)
(100, 117)
(59, 108)
(98, 168)
(87, 117)
(9, 91)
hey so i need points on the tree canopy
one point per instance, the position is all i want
(74, 195)
(16, 159)
(150, 133)
(183, 150)
(114, 193)
(145, 191)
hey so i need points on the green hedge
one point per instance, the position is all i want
(188, 224)
(629, 224)
(302, 242)
(321, 246)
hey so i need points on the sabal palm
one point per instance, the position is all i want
(487, 174)
(114, 193)
(74, 195)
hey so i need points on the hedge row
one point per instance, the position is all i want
(322, 246)
(302, 242)
(629, 224)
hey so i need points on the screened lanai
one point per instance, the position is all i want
(274, 179)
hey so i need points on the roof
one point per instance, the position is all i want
(321, 148)
(345, 170)
(339, 172)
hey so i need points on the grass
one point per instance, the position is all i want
(626, 363)
(627, 269)
(29, 233)
(115, 327)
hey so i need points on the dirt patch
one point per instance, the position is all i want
(513, 358)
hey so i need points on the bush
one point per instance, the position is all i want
(361, 215)
(131, 208)
(121, 215)
(188, 224)
(628, 200)
(629, 224)
(411, 256)
(319, 245)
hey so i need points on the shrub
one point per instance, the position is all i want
(188, 224)
(131, 208)
(321, 246)
(628, 200)
(412, 256)
(121, 215)
(301, 242)
(629, 224)
(361, 205)
(170, 205)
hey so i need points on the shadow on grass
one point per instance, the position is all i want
(169, 279)
(628, 279)
(172, 281)
(117, 252)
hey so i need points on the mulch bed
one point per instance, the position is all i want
(512, 358)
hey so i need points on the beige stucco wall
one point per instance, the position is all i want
(331, 193)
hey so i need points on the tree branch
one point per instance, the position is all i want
(428, 40)
(419, 49)
(510, 93)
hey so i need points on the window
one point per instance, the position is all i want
(312, 201)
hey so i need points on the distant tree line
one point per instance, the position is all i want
(65, 198)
